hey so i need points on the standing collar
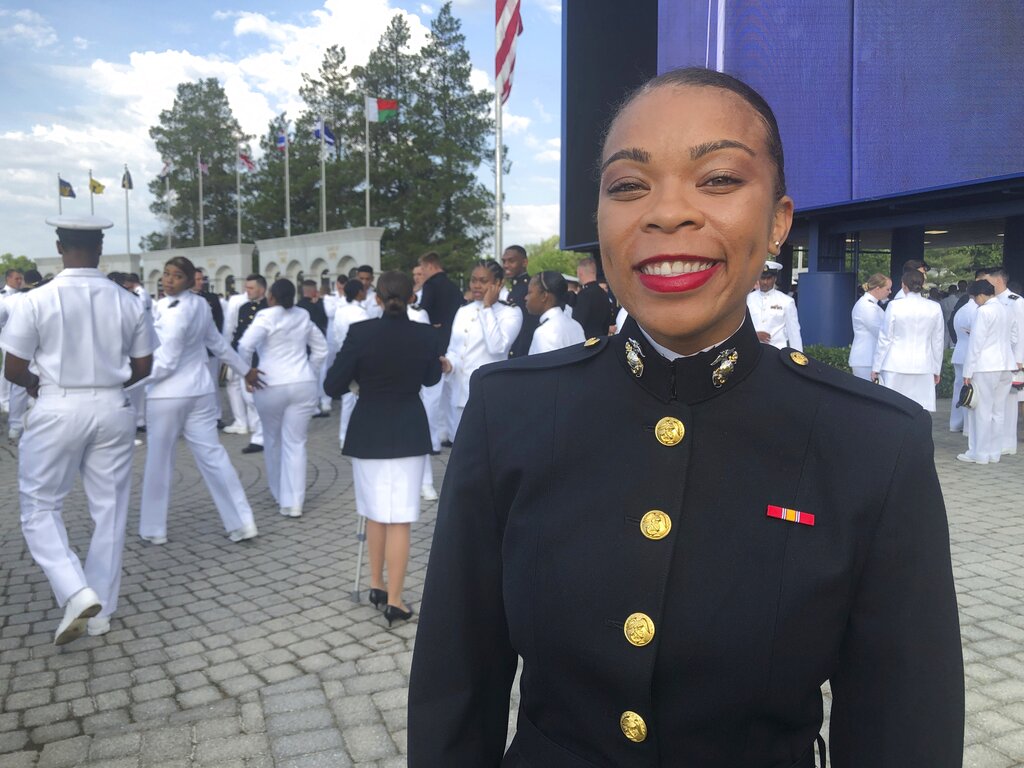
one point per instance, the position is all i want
(688, 379)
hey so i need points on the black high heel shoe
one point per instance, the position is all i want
(394, 613)
(377, 597)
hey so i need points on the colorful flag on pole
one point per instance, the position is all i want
(167, 169)
(126, 180)
(65, 188)
(204, 168)
(380, 110)
(509, 25)
(246, 161)
(95, 187)
(282, 142)
(328, 136)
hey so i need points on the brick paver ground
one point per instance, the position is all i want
(253, 655)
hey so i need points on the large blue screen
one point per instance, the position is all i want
(874, 98)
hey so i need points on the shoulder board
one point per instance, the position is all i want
(173, 304)
(819, 372)
(577, 353)
(1013, 297)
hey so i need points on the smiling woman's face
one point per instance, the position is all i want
(687, 212)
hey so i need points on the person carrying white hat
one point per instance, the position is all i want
(773, 312)
(88, 338)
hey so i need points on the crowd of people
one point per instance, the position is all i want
(900, 343)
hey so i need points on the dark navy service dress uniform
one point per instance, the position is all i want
(683, 605)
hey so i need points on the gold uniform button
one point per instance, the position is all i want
(591, 341)
(633, 726)
(798, 357)
(669, 431)
(655, 525)
(639, 629)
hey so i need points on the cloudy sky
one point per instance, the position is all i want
(81, 84)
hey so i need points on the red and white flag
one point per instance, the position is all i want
(509, 25)
(246, 161)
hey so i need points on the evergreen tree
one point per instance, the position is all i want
(199, 123)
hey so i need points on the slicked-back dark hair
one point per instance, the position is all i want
(260, 280)
(394, 289)
(699, 77)
(185, 265)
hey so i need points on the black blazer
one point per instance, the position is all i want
(390, 358)
(717, 622)
(593, 311)
(441, 299)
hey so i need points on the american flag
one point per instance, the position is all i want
(246, 161)
(509, 26)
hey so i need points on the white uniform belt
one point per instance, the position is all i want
(52, 390)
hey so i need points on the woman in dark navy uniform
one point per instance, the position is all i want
(390, 358)
(684, 605)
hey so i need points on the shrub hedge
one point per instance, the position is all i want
(837, 357)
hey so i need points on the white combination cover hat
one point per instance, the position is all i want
(82, 223)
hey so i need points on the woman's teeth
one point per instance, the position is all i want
(673, 268)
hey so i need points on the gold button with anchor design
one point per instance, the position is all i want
(639, 629)
(633, 726)
(655, 525)
(798, 357)
(669, 431)
(591, 341)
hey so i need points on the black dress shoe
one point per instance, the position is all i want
(446, 443)
(321, 415)
(435, 453)
(378, 596)
(221, 424)
(253, 448)
(393, 613)
(141, 430)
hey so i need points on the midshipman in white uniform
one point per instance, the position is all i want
(88, 337)
(773, 312)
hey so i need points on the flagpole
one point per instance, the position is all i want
(92, 209)
(127, 218)
(323, 174)
(366, 152)
(60, 202)
(287, 190)
(238, 193)
(202, 226)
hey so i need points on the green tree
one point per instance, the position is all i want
(546, 255)
(200, 122)
(20, 263)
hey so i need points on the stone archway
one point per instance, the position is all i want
(153, 282)
(294, 271)
(347, 266)
(220, 279)
(273, 271)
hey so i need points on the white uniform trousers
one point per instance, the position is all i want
(436, 418)
(137, 395)
(428, 473)
(243, 407)
(986, 436)
(193, 418)
(5, 394)
(862, 371)
(454, 418)
(1008, 438)
(18, 406)
(214, 363)
(348, 404)
(285, 411)
(67, 432)
(956, 415)
(325, 401)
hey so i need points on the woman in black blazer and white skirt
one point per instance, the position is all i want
(390, 358)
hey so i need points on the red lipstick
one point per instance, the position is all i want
(676, 283)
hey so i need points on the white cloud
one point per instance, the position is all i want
(545, 116)
(553, 7)
(530, 223)
(551, 151)
(26, 26)
(426, 10)
(80, 42)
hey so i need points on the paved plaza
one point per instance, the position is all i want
(254, 655)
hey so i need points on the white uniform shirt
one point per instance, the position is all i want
(993, 336)
(867, 320)
(774, 313)
(373, 309)
(479, 336)
(235, 304)
(80, 329)
(1015, 304)
(555, 331)
(910, 340)
(417, 315)
(347, 314)
(281, 336)
(184, 325)
(962, 322)
(143, 294)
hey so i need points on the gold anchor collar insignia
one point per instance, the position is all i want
(723, 366)
(634, 357)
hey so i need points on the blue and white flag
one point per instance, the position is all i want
(328, 136)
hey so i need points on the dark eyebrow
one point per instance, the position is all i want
(635, 154)
(696, 153)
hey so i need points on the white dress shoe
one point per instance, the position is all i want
(154, 539)
(970, 459)
(82, 606)
(98, 626)
(14, 434)
(427, 493)
(291, 511)
(245, 532)
(236, 429)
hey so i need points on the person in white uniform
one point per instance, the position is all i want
(17, 397)
(960, 418)
(364, 274)
(242, 404)
(235, 385)
(989, 369)
(773, 312)
(180, 402)
(1013, 304)
(867, 321)
(545, 298)
(88, 338)
(13, 280)
(908, 358)
(281, 334)
(347, 313)
(911, 265)
(428, 396)
(482, 332)
(138, 394)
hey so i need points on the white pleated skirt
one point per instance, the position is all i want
(388, 490)
(919, 387)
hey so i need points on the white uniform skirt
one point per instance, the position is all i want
(388, 490)
(919, 387)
